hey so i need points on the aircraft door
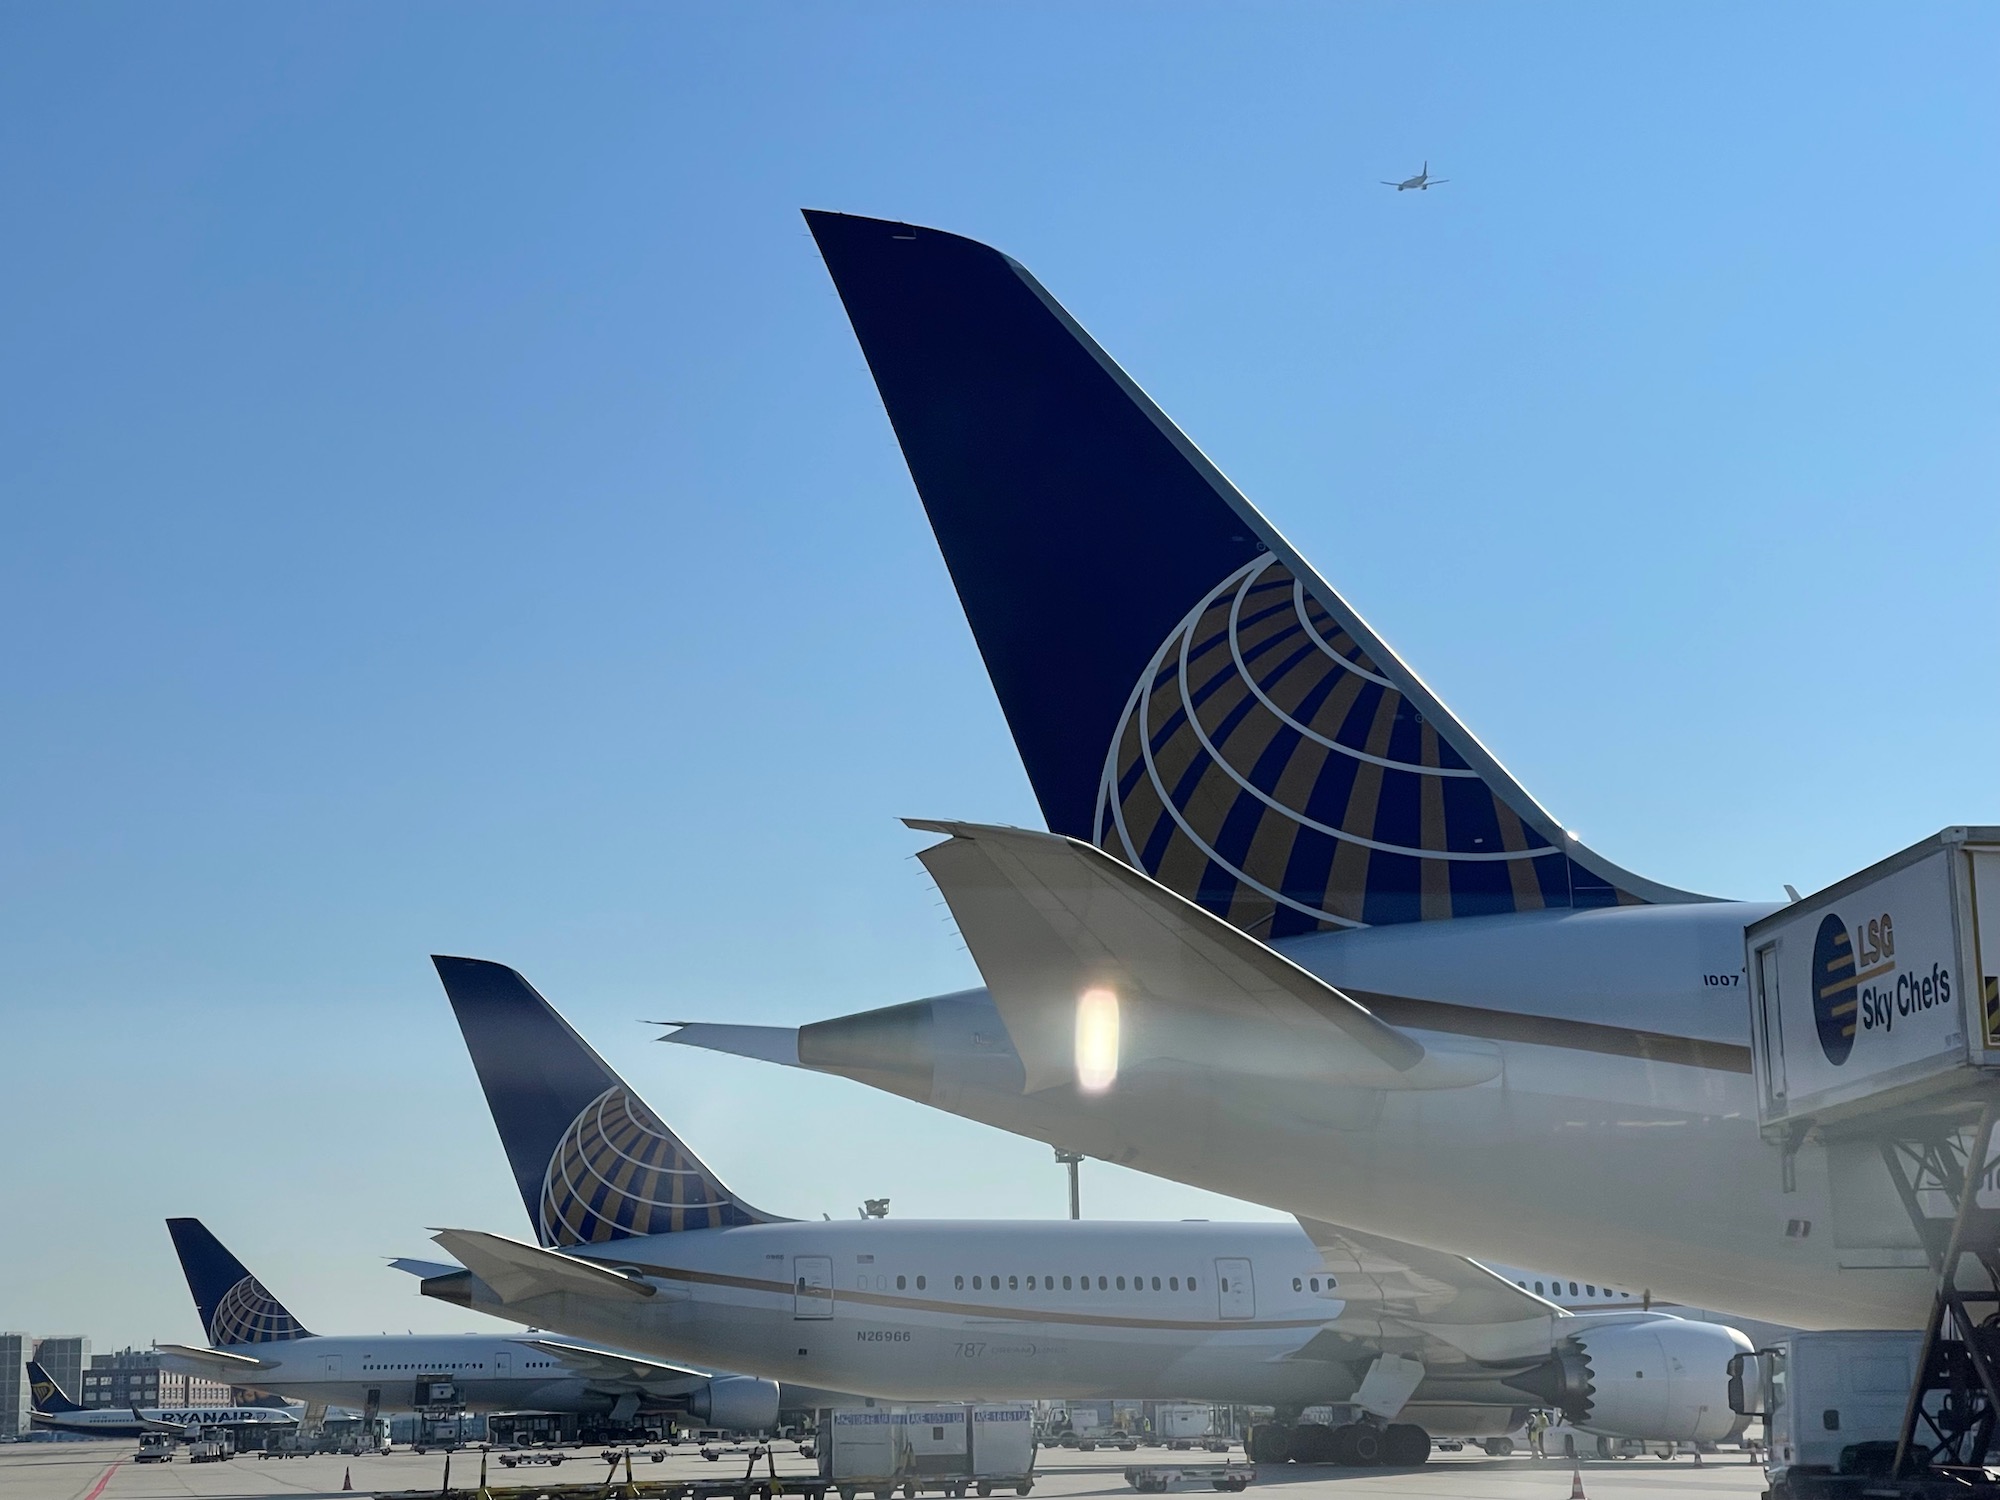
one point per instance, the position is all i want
(1235, 1290)
(812, 1286)
(1770, 1028)
(503, 1364)
(329, 1364)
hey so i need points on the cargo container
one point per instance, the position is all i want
(943, 1449)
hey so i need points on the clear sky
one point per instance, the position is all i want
(446, 511)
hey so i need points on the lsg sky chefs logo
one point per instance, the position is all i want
(1858, 987)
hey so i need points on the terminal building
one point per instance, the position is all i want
(133, 1377)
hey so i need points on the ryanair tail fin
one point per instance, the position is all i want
(1184, 690)
(234, 1307)
(593, 1163)
(49, 1398)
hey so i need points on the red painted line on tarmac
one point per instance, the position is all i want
(102, 1480)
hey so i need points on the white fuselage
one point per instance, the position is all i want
(125, 1422)
(913, 1310)
(385, 1371)
(1618, 1137)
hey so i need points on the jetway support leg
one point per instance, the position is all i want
(1954, 1403)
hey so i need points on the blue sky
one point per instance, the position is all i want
(446, 511)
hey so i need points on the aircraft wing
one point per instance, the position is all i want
(216, 1364)
(607, 1364)
(154, 1424)
(517, 1271)
(1047, 918)
(1395, 1291)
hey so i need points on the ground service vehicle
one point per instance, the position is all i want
(941, 1449)
(1832, 1405)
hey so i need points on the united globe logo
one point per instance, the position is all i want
(1835, 1001)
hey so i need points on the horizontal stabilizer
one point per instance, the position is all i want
(215, 1364)
(1049, 919)
(517, 1271)
(774, 1044)
(423, 1270)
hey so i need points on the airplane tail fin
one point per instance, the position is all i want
(593, 1163)
(48, 1396)
(1185, 691)
(234, 1307)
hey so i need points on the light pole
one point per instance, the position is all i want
(1072, 1159)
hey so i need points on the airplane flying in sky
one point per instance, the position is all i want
(641, 1244)
(55, 1411)
(1294, 934)
(255, 1342)
(1422, 182)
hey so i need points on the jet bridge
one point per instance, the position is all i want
(1875, 1031)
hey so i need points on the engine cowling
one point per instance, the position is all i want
(1664, 1379)
(738, 1403)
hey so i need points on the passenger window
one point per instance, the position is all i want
(1065, 1283)
(1102, 1286)
(1156, 1283)
(1173, 1283)
(1298, 1285)
(1572, 1288)
(1589, 1289)
(977, 1285)
(920, 1283)
(899, 1283)
(1013, 1283)
(1191, 1285)
(956, 1281)
(1031, 1283)
(1538, 1289)
(1121, 1283)
(1315, 1283)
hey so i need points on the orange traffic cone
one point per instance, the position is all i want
(347, 1478)
(1576, 1483)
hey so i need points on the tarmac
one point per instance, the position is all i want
(103, 1470)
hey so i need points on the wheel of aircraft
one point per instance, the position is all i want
(1405, 1446)
(1358, 1444)
(1268, 1443)
(1313, 1443)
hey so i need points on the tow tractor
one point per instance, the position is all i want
(1157, 1479)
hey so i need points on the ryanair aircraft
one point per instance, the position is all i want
(1293, 933)
(639, 1243)
(55, 1411)
(254, 1341)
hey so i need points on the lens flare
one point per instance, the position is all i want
(1096, 1040)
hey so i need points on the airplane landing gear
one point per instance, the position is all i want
(1268, 1443)
(1405, 1446)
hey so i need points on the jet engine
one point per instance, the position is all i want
(1659, 1380)
(739, 1403)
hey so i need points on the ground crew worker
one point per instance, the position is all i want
(1538, 1423)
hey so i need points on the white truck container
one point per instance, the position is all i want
(1881, 990)
(948, 1449)
(1832, 1405)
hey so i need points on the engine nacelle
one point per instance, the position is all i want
(738, 1403)
(1659, 1380)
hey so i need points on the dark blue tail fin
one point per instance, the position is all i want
(1184, 690)
(234, 1307)
(592, 1161)
(48, 1396)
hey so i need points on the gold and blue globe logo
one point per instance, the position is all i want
(1836, 1003)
